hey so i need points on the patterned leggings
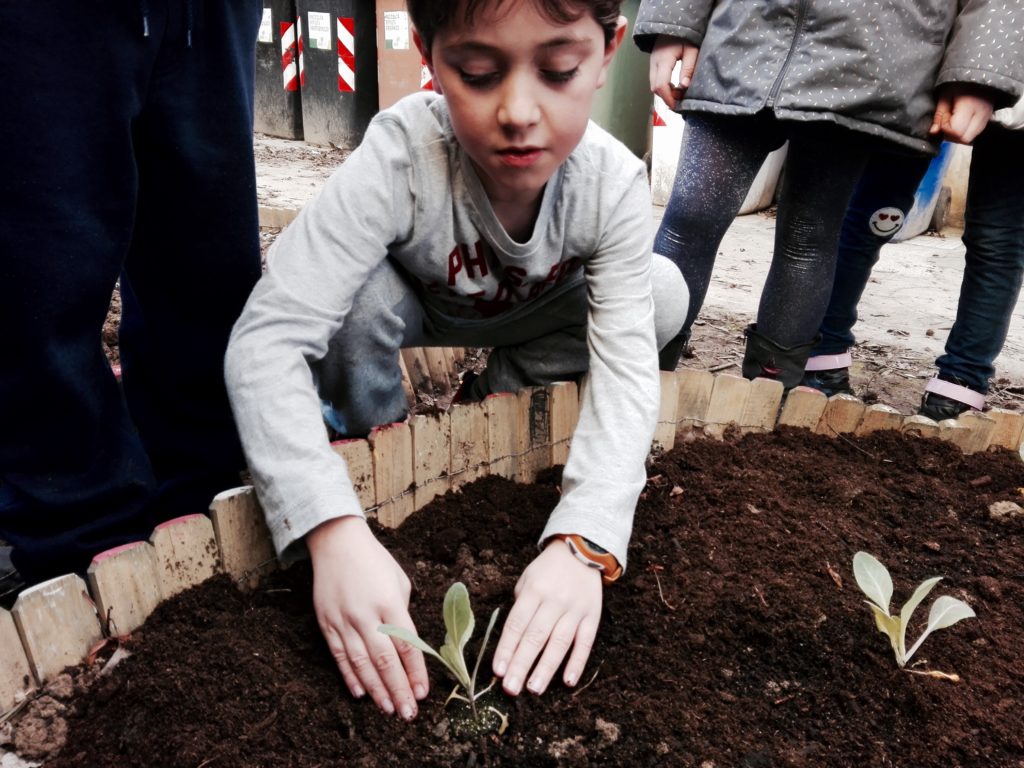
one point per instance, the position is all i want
(719, 159)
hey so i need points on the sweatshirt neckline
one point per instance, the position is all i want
(488, 219)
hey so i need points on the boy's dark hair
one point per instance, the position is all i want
(431, 16)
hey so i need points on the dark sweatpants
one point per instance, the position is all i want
(127, 141)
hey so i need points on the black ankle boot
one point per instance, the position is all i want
(938, 407)
(671, 353)
(833, 381)
(767, 359)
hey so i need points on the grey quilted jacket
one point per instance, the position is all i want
(869, 65)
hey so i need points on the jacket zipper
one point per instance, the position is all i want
(801, 14)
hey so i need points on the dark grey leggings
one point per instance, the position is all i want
(718, 162)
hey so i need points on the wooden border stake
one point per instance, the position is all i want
(565, 413)
(1009, 428)
(57, 623)
(125, 585)
(761, 410)
(391, 448)
(841, 416)
(502, 439)
(16, 677)
(694, 397)
(359, 459)
(431, 457)
(665, 431)
(186, 553)
(878, 417)
(803, 408)
(246, 547)
(728, 399)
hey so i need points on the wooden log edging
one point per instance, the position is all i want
(399, 469)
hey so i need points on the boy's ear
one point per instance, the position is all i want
(427, 61)
(613, 45)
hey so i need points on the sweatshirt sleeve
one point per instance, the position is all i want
(315, 268)
(685, 19)
(605, 471)
(986, 47)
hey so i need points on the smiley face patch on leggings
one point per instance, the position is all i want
(886, 221)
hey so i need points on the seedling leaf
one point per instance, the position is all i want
(945, 612)
(404, 634)
(458, 623)
(887, 625)
(456, 663)
(875, 582)
(873, 579)
(908, 610)
(483, 645)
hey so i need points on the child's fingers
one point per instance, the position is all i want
(532, 640)
(377, 665)
(661, 85)
(558, 644)
(586, 633)
(337, 650)
(412, 659)
(688, 64)
(943, 110)
(516, 624)
(357, 656)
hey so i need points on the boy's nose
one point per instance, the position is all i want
(518, 107)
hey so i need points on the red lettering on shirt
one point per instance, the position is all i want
(454, 264)
(480, 260)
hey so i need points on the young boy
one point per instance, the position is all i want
(494, 215)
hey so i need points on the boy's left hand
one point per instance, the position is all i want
(558, 606)
(961, 113)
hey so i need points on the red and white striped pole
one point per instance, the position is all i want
(302, 61)
(289, 54)
(346, 54)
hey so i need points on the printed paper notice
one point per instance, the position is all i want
(266, 27)
(319, 30)
(396, 30)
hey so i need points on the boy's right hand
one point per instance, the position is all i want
(667, 51)
(357, 586)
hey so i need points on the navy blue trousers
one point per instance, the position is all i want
(127, 136)
(993, 261)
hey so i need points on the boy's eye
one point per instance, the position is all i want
(478, 80)
(560, 75)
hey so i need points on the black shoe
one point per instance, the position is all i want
(465, 392)
(676, 349)
(835, 381)
(766, 358)
(938, 407)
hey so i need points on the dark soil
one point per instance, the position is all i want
(737, 638)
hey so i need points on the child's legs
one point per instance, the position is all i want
(822, 168)
(360, 378)
(718, 161)
(889, 181)
(994, 237)
(548, 343)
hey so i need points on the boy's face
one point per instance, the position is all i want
(519, 89)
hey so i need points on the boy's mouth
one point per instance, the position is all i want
(519, 157)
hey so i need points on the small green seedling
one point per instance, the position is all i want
(459, 624)
(875, 582)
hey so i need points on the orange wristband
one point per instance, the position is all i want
(593, 556)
